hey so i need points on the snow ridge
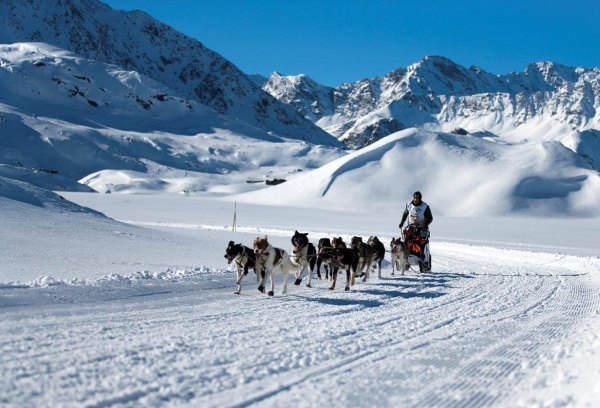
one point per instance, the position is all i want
(465, 175)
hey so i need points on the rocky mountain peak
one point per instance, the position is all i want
(136, 41)
(311, 99)
(438, 92)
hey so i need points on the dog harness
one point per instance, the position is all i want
(262, 256)
(242, 259)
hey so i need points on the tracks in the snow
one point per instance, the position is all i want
(468, 334)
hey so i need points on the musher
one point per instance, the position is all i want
(418, 212)
(416, 234)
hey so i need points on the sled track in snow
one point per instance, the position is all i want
(472, 333)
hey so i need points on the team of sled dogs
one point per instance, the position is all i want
(357, 258)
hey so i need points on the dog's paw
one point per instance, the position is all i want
(271, 293)
(237, 292)
(308, 285)
(298, 282)
(331, 288)
(261, 289)
(347, 288)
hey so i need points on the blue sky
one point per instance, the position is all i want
(340, 41)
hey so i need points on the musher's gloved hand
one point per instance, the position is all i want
(401, 225)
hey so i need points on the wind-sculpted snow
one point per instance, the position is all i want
(464, 175)
(26, 193)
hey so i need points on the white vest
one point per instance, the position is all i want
(416, 213)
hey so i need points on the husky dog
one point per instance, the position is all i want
(244, 259)
(400, 252)
(338, 243)
(267, 259)
(304, 256)
(324, 246)
(377, 253)
(341, 257)
(364, 253)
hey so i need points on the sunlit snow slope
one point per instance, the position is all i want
(462, 174)
(64, 117)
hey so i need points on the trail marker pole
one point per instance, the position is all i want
(234, 225)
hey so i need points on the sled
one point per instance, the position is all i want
(417, 240)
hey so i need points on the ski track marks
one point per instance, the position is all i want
(473, 333)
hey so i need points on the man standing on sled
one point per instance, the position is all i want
(416, 234)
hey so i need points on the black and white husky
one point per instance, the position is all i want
(244, 259)
(303, 257)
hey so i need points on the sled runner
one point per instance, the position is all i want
(417, 239)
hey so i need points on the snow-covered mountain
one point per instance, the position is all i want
(135, 41)
(64, 117)
(544, 102)
(460, 175)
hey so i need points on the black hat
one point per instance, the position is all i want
(417, 194)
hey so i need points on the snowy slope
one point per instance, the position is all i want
(490, 326)
(17, 192)
(69, 117)
(460, 175)
(545, 98)
(135, 41)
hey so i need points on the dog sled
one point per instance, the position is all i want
(417, 240)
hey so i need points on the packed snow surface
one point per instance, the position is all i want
(125, 315)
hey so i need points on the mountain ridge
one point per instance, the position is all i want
(136, 41)
(64, 117)
(439, 93)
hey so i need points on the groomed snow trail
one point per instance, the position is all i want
(472, 333)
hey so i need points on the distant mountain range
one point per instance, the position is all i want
(547, 100)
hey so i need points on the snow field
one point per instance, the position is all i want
(488, 327)
(100, 313)
(444, 338)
